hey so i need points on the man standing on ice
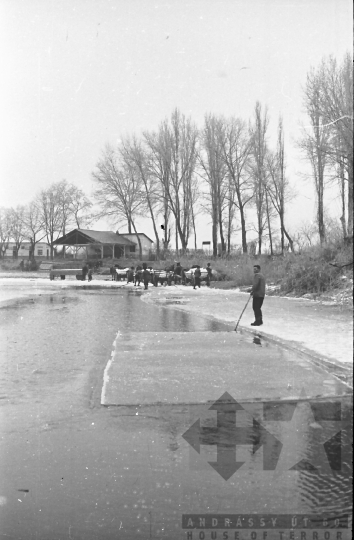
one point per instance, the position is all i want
(258, 293)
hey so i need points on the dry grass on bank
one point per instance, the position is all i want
(309, 272)
(10, 265)
(315, 270)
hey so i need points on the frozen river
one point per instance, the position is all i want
(71, 468)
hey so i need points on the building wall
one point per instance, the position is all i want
(146, 245)
(41, 249)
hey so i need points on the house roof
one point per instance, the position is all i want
(139, 234)
(106, 237)
(85, 236)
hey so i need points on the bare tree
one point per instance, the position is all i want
(213, 171)
(159, 163)
(75, 207)
(60, 206)
(174, 151)
(50, 203)
(308, 233)
(334, 229)
(79, 208)
(136, 158)
(328, 144)
(338, 176)
(270, 214)
(34, 226)
(236, 147)
(18, 229)
(315, 143)
(258, 169)
(231, 211)
(5, 230)
(335, 107)
(64, 197)
(120, 190)
(183, 140)
(278, 185)
(166, 232)
(65, 193)
(194, 196)
(342, 190)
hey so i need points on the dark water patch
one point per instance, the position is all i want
(55, 299)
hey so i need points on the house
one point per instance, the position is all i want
(146, 242)
(84, 243)
(42, 249)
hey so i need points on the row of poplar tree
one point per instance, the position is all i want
(223, 169)
(227, 166)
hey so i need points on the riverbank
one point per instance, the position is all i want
(341, 292)
(322, 329)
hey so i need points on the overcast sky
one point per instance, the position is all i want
(77, 74)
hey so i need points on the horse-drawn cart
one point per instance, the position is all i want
(62, 272)
(121, 274)
(161, 276)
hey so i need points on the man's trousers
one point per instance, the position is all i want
(256, 305)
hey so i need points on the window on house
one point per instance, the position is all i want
(132, 249)
(40, 252)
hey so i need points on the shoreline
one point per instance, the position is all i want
(329, 345)
(327, 298)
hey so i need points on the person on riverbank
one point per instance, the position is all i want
(258, 293)
(178, 273)
(130, 275)
(138, 275)
(113, 272)
(84, 272)
(209, 273)
(146, 276)
(197, 276)
(151, 271)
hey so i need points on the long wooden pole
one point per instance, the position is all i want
(244, 309)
